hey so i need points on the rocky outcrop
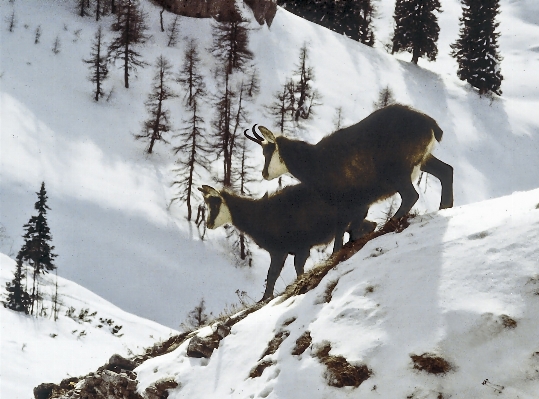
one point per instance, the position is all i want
(115, 379)
(222, 10)
(263, 10)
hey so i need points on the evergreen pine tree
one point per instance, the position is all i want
(98, 64)
(476, 49)
(354, 19)
(158, 122)
(230, 44)
(416, 28)
(131, 28)
(36, 250)
(17, 299)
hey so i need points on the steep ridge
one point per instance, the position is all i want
(445, 308)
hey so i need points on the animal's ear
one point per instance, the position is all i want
(268, 135)
(208, 191)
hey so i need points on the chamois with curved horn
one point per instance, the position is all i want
(290, 221)
(364, 163)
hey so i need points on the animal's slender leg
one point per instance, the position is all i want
(276, 265)
(409, 197)
(366, 227)
(299, 261)
(339, 232)
(361, 226)
(444, 173)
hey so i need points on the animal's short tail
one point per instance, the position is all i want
(438, 132)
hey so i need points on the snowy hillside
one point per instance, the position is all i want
(36, 350)
(460, 286)
(110, 220)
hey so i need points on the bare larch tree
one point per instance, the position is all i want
(158, 122)
(131, 31)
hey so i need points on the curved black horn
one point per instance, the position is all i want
(259, 137)
(256, 140)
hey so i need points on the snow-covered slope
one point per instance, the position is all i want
(462, 284)
(109, 217)
(36, 350)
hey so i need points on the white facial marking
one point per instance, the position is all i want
(276, 166)
(223, 217)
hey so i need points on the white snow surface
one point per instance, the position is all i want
(445, 285)
(110, 218)
(36, 350)
(448, 285)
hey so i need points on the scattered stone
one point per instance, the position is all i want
(44, 391)
(117, 363)
(159, 389)
(222, 330)
(202, 347)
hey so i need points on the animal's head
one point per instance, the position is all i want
(274, 165)
(219, 213)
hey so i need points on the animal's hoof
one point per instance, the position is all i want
(366, 227)
(265, 299)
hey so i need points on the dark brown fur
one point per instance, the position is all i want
(288, 222)
(367, 162)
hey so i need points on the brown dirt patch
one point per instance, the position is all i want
(302, 343)
(431, 363)
(274, 343)
(508, 322)
(260, 367)
(339, 373)
(329, 290)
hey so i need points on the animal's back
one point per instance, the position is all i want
(391, 140)
(299, 218)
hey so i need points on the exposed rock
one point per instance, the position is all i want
(202, 347)
(117, 363)
(159, 389)
(263, 10)
(44, 391)
(222, 330)
(113, 380)
(222, 10)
